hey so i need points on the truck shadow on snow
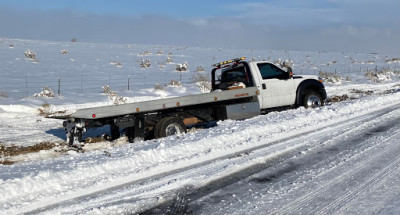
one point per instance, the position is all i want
(60, 133)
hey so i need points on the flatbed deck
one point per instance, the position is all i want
(162, 104)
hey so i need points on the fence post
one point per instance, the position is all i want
(59, 86)
(26, 85)
(129, 80)
(82, 84)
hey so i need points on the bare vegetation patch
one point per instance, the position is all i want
(145, 53)
(31, 55)
(47, 92)
(182, 67)
(202, 82)
(344, 97)
(380, 76)
(3, 95)
(145, 63)
(330, 77)
(364, 92)
(393, 60)
(44, 110)
(199, 69)
(159, 87)
(113, 95)
(175, 83)
(9, 151)
(169, 59)
(161, 65)
(94, 139)
(200, 78)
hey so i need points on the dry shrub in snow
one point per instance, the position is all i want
(161, 65)
(174, 82)
(3, 95)
(169, 59)
(160, 52)
(381, 75)
(181, 67)
(44, 110)
(202, 82)
(113, 95)
(31, 55)
(145, 53)
(200, 78)
(205, 87)
(199, 69)
(145, 63)
(46, 92)
(158, 87)
(393, 60)
(284, 64)
(330, 77)
(64, 51)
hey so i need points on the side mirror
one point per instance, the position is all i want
(286, 75)
(289, 73)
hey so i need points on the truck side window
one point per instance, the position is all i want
(269, 71)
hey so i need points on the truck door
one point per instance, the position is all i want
(277, 88)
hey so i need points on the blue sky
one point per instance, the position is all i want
(332, 25)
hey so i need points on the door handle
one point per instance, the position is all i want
(264, 86)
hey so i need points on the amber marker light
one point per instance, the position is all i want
(178, 104)
(215, 98)
(137, 109)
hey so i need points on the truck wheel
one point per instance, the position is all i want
(169, 126)
(312, 100)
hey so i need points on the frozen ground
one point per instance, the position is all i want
(339, 159)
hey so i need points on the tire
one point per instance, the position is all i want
(169, 126)
(312, 99)
(156, 129)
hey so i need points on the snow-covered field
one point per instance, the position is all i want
(342, 158)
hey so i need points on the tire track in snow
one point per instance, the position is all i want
(362, 170)
(351, 125)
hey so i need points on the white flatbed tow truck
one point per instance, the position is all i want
(240, 90)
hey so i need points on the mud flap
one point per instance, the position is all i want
(136, 132)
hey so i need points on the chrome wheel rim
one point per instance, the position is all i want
(313, 101)
(173, 129)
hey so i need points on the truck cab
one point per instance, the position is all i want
(277, 86)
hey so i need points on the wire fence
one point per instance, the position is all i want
(28, 85)
(15, 86)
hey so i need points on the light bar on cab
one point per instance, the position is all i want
(229, 61)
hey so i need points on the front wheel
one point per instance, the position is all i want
(312, 100)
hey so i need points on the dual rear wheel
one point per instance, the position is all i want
(169, 126)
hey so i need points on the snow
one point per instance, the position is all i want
(117, 177)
